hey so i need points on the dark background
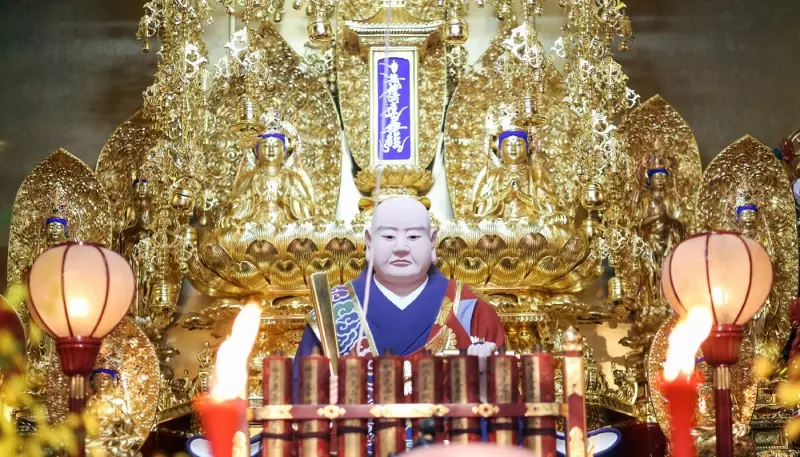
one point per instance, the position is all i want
(71, 71)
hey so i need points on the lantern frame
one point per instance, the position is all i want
(722, 346)
(682, 309)
(78, 353)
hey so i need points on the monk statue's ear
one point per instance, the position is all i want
(434, 232)
(368, 241)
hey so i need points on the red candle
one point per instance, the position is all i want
(222, 420)
(223, 413)
(681, 395)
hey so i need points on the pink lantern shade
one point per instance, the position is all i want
(79, 290)
(723, 271)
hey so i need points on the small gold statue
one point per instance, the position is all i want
(748, 222)
(516, 187)
(526, 338)
(137, 220)
(271, 191)
(39, 357)
(659, 225)
(55, 232)
(137, 216)
(625, 382)
(116, 436)
(56, 226)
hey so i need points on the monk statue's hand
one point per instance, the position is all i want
(482, 350)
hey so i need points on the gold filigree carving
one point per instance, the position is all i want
(301, 100)
(480, 94)
(747, 168)
(139, 377)
(121, 160)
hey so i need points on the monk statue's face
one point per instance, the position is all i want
(141, 189)
(401, 242)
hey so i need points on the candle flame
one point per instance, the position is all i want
(230, 372)
(685, 340)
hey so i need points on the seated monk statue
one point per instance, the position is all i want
(270, 191)
(412, 306)
(116, 436)
(515, 189)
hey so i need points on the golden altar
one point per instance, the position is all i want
(556, 193)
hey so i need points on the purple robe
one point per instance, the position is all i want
(403, 331)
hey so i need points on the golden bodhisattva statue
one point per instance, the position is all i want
(55, 233)
(747, 223)
(115, 433)
(137, 221)
(271, 191)
(747, 218)
(659, 225)
(515, 188)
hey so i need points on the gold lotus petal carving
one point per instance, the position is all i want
(353, 268)
(485, 254)
(472, 270)
(325, 265)
(287, 274)
(508, 271)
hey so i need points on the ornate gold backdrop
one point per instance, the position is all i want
(577, 202)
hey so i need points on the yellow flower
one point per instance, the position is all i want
(788, 394)
(794, 367)
(763, 367)
(34, 333)
(92, 427)
(15, 295)
(792, 428)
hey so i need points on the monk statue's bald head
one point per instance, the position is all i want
(401, 243)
